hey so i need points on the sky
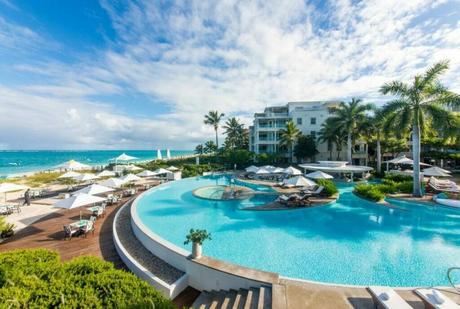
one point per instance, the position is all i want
(87, 74)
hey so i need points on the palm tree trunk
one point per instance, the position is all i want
(217, 139)
(379, 156)
(417, 190)
(330, 152)
(349, 147)
(292, 153)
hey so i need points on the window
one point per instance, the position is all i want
(313, 120)
(299, 121)
(313, 134)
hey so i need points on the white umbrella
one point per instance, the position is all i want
(435, 171)
(70, 174)
(78, 200)
(7, 187)
(251, 169)
(73, 165)
(85, 177)
(319, 175)
(106, 173)
(113, 182)
(133, 168)
(262, 171)
(161, 171)
(131, 178)
(268, 167)
(159, 157)
(146, 173)
(124, 157)
(299, 181)
(292, 171)
(172, 168)
(277, 170)
(94, 189)
(168, 154)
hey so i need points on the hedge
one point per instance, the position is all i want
(329, 187)
(35, 278)
(370, 192)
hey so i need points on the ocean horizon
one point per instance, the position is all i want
(14, 162)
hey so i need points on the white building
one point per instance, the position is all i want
(308, 117)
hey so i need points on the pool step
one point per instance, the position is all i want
(252, 298)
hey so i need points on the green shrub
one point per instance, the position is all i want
(329, 187)
(405, 186)
(397, 178)
(386, 188)
(36, 279)
(370, 192)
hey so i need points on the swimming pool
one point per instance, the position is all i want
(351, 241)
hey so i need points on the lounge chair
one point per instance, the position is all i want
(5, 210)
(316, 192)
(435, 299)
(283, 199)
(69, 231)
(386, 297)
(89, 227)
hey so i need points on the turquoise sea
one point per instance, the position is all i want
(17, 162)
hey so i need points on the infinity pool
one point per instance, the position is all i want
(351, 241)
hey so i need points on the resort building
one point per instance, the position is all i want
(308, 116)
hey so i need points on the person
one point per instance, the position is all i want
(27, 198)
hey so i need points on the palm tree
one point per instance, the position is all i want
(234, 131)
(419, 105)
(213, 118)
(199, 149)
(289, 136)
(328, 134)
(347, 117)
(209, 147)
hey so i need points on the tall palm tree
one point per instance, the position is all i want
(372, 130)
(419, 105)
(234, 131)
(347, 117)
(213, 118)
(289, 136)
(328, 134)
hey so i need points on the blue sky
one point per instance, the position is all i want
(141, 74)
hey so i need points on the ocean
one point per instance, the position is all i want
(20, 162)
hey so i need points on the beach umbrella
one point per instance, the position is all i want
(73, 165)
(319, 175)
(146, 173)
(124, 157)
(161, 171)
(159, 157)
(435, 171)
(94, 189)
(106, 173)
(85, 177)
(113, 182)
(262, 171)
(70, 174)
(277, 170)
(78, 200)
(131, 178)
(251, 169)
(299, 181)
(292, 171)
(8, 187)
(268, 167)
(172, 168)
(168, 154)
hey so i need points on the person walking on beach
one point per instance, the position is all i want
(27, 198)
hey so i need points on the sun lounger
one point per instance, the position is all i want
(89, 227)
(385, 297)
(435, 299)
(69, 231)
(316, 192)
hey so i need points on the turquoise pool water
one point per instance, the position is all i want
(352, 241)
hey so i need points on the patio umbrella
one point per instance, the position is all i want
(85, 177)
(123, 157)
(161, 171)
(106, 173)
(113, 183)
(251, 169)
(435, 171)
(172, 168)
(146, 173)
(299, 181)
(159, 156)
(70, 174)
(78, 200)
(8, 187)
(277, 170)
(73, 165)
(268, 167)
(168, 154)
(94, 189)
(292, 171)
(131, 178)
(262, 171)
(319, 175)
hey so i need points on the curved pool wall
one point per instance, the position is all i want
(349, 242)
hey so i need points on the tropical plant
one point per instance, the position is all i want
(234, 131)
(199, 149)
(421, 105)
(331, 135)
(348, 117)
(213, 119)
(330, 188)
(197, 236)
(305, 147)
(289, 136)
(209, 147)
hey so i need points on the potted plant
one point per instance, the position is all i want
(8, 230)
(196, 237)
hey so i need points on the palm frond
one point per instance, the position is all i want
(443, 121)
(395, 88)
(433, 73)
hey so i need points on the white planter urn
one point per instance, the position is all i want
(196, 250)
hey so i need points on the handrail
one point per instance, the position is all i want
(450, 279)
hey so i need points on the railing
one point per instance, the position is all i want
(450, 278)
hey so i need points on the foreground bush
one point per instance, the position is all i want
(329, 187)
(370, 192)
(37, 279)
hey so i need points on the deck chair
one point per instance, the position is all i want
(89, 227)
(386, 297)
(69, 232)
(435, 299)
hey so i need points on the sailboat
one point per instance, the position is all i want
(159, 157)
